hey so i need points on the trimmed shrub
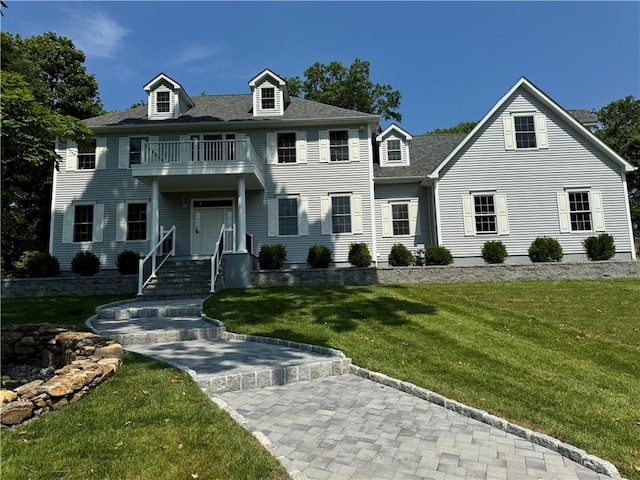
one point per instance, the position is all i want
(494, 251)
(400, 256)
(128, 262)
(437, 255)
(272, 257)
(34, 264)
(545, 249)
(85, 263)
(319, 256)
(602, 247)
(359, 255)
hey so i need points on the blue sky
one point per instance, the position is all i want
(451, 61)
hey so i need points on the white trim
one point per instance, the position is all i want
(192, 201)
(101, 153)
(72, 156)
(628, 215)
(436, 198)
(372, 197)
(52, 223)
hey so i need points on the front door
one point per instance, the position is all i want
(207, 223)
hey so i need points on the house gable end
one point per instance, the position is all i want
(393, 147)
(167, 99)
(270, 94)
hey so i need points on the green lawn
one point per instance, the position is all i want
(148, 422)
(559, 357)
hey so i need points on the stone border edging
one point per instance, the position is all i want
(575, 454)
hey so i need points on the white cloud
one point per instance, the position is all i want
(95, 33)
(193, 54)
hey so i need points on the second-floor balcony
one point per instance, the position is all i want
(198, 164)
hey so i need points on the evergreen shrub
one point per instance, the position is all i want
(272, 257)
(494, 251)
(319, 256)
(359, 255)
(602, 247)
(85, 263)
(128, 262)
(400, 256)
(437, 255)
(545, 249)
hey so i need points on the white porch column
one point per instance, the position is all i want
(155, 212)
(242, 216)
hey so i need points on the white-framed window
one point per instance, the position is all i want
(287, 216)
(485, 213)
(163, 102)
(83, 222)
(135, 149)
(400, 218)
(394, 150)
(136, 221)
(87, 156)
(341, 213)
(268, 98)
(580, 210)
(339, 146)
(287, 147)
(525, 131)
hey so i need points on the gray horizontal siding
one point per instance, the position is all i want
(409, 192)
(530, 180)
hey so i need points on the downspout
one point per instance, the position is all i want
(436, 201)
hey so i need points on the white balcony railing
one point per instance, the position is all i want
(198, 152)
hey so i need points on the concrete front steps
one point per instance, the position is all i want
(180, 278)
(177, 332)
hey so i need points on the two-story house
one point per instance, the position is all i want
(265, 168)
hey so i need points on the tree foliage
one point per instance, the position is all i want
(620, 130)
(462, 127)
(346, 87)
(38, 100)
(55, 72)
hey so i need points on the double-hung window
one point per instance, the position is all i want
(339, 146)
(394, 151)
(287, 216)
(137, 221)
(87, 156)
(581, 210)
(268, 98)
(400, 218)
(485, 213)
(341, 214)
(135, 149)
(287, 147)
(163, 103)
(83, 223)
(525, 129)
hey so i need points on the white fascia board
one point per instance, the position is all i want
(266, 72)
(391, 127)
(160, 77)
(394, 180)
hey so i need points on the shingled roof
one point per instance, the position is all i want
(425, 153)
(228, 108)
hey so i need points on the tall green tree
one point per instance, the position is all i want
(54, 69)
(346, 87)
(620, 129)
(462, 127)
(45, 88)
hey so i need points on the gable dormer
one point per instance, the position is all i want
(270, 95)
(393, 145)
(166, 98)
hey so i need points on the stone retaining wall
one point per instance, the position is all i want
(83, 360)
(72, 285)
(446, 274)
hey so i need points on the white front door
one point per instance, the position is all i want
(207, 223)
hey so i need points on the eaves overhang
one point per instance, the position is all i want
(396, 180)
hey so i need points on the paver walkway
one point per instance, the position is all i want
(338, 426)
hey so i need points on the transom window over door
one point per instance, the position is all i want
(579, 211)
(525, 131)
(339, 146)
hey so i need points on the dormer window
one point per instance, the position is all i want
(163, 104)
(268, 98)
(394, 151)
